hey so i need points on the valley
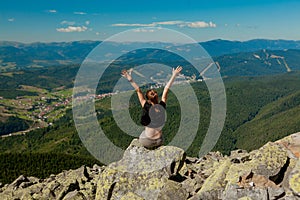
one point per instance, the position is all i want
(40, 110)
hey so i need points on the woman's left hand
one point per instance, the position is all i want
(126, 74)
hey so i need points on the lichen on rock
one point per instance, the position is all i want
(294, 180)
(141, 171)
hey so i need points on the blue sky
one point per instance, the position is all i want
(72, 20)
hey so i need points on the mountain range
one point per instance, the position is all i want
(16, 55)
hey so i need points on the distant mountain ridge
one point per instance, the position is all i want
(222, 47)
(257, 63)
(16, 55)
(213, 47)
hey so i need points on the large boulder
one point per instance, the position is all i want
(142, 172)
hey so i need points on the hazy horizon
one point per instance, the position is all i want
(11, 41)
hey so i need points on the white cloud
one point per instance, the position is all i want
(11, 19)
(52, 11)
(142, 30)
(108, 55)
(152, 24)
(67, 22)
(72, 29)
(201, 24)
(79, 13)
(169, 23)
(196, 24)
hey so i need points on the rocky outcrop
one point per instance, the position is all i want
(146, 173)
(72, 184)
(271, 172)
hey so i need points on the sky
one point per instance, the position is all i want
(203, 20)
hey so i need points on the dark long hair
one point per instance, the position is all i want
(148, 91)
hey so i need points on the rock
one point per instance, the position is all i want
(276, 193)
(294, 180)
(74, 195)
(172, 190)
(270, 172)
(71, 184)
(291, 143)
(137, 159)
(208, 195)
(254, 180)
(239, 156)
(245, 198)
(21, 179)
(131, 196)
(256, 193)
(260, 174)
(267, 162)
(216, 180)
(191, 186)
(141, 171)
(234, 193)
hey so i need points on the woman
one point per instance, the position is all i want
(153, 117)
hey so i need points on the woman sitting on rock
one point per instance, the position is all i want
(153, 117)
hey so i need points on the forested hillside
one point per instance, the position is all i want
(259, 109)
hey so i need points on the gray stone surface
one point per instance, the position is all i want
(271, 172)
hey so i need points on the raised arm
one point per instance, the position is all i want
(175, 73)
(139, 92)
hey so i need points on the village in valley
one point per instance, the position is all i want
(41, 110)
